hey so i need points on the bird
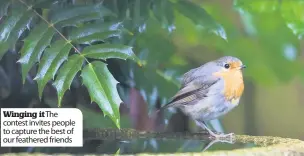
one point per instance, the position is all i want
(210, 91)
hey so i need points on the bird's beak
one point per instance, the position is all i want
(242, 66)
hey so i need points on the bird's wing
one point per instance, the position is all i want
(189, 76)
(192, 90)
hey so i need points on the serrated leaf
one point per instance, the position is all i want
(79, 19)
(77, 14)
(95, 32)
(51, 60)
(66, 75)
(105, 51)
(34, 45)
(12, 28)
(98, 37)
(102, 89)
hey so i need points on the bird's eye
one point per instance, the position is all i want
(226, 66)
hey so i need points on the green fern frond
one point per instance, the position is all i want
(51, 60)
(13, 26)
(98, 31)
(34, 45)
(47, 45)
(66, 75)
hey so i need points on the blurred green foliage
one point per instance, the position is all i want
(168, 36)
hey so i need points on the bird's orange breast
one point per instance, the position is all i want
(234, 85)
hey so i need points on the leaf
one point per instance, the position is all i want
(155, 43)
(291, 11)
(164, 85)
(200, 17)
(34, 45)
(279, 51)
(12, 28)
(77, 14)
(51, 60)
(164, 12)
(45, 4)
(3, 7)
(257, 5)
(95, 32)
(79, 19)
(102, 89)
(66, 75)
(105, 51)
(197, 14)
(117, 152)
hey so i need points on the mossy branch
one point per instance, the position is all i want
(270, 146)
(129, 134)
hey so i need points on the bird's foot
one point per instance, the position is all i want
(221, 137)
(216, 137)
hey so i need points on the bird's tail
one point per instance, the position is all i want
(157, 111)
(156, 114)
(162, 108)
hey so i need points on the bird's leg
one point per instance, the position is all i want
(218, 137)
(204, 126)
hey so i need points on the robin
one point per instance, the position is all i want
(210, 91)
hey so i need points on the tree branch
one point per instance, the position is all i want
(129, 134)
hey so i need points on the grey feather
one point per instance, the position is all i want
(193, 90)
(203, 72)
